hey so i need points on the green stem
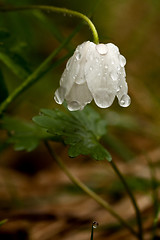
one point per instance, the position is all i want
(138, 215)
(88, 191)
(57, 10)
(92, 233)
(41, 70)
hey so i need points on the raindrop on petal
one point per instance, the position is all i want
(68, 64)
(122, 60)
(125, 101)
(102, 49)
(119, 88)
(95, 224)
(74, 106)
(78, 55)
(59, 95)
(114, 76)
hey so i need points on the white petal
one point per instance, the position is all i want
(102, 82)
(103, 98)
(122, 84)
(79, 96)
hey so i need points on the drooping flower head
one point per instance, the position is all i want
(94, 72)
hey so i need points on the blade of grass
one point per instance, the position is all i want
(13, 66)
(3, 88)
(156, 207)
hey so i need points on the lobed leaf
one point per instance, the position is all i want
(24, 135)
(81, 130)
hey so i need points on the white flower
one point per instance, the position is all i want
(94, 72)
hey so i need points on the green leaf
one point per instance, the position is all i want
(3, 88)
(24, 135)
(81, 130)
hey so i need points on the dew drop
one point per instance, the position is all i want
(112, 62)
(91, 68)
(125, 101)
(97, 60)
(102, 49)
(105, 66)
(119, 88)
(59, 95)
(95, 224)
(68, 64)
(122, 60)
(74, 106)
(114, 76)
(78, 55)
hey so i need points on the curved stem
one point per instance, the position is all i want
(36, 74)
(138, 215)
(88, 191)
(58, 10)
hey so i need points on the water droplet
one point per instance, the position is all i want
(68, 64)
(78, 55)
(74, 106)
(95, 224)
(102, 49)
(97, 60)
(114, 76)
(105, 66)
(59, 95)
(122, 60)
(125, 101)
(119, 88)
(112, 62)
(91, 68)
